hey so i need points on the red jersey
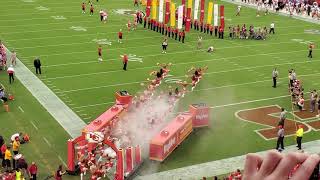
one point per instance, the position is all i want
(119, 34)
(99, 50)
(125, 59)
(33, 169)
(91, 8)
(83, 6)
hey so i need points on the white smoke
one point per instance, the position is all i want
(142, 123)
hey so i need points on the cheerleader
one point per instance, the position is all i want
(129, 25)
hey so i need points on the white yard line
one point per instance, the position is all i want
(34, 125)
(41, 24)
(154, 45)
(190, 62)
(21, 109)
(91, 105)
(64, 163)
(249, 101)
(46, 140)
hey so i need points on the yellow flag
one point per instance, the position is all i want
(190, 3)
(173, 15)
(210, 11)
(154, 9)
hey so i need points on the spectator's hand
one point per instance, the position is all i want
(276, 166)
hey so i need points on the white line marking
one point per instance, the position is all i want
(64, 163)
(192, 62)
(21, 109)
(34, 125)
(212, 88)
(91, 105)
(46, 140)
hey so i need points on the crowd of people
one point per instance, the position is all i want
(235, 32)
(302, 8)
(13, 165)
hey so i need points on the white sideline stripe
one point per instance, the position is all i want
(46, 140)
(34, 125)
(192, 62)
(64, 163)
(219, 167)
(21, 109)
(68, 119)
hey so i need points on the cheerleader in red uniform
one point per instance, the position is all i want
(129, 25)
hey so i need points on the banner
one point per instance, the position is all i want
(173, 15)
(222, 16)
(184, 7)
(154, 9)
(148, 8)
(210, 9)
(196, 9)
(215, 14)
(167, 17)
(188, 21)
(202, 10)
(189, 4)
(161, 11)
(180, 16)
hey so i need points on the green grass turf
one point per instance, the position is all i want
(71, 69)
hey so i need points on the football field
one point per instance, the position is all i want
(238, 76)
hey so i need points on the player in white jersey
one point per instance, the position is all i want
(259, 8)
(238, 11)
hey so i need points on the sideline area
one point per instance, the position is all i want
(69, 120)
(219, 167)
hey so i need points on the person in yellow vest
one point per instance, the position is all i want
(16, 146)
(15, 149)
(299, 135)
(7, 158)
(18, 174)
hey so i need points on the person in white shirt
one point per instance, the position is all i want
(11, 74)
(238, 11)
(13, 58)
(210, 49)
(271, 28)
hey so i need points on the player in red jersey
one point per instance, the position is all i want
(91, 10)
(129, 25)
(100, 53)
(120, 36)
(83, 7)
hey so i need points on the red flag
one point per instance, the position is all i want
(222, 16)
(202, 10)
(184, 8)
(188, 19)
(167, 16)
(148, 8)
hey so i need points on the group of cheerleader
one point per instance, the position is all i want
(98, 161)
